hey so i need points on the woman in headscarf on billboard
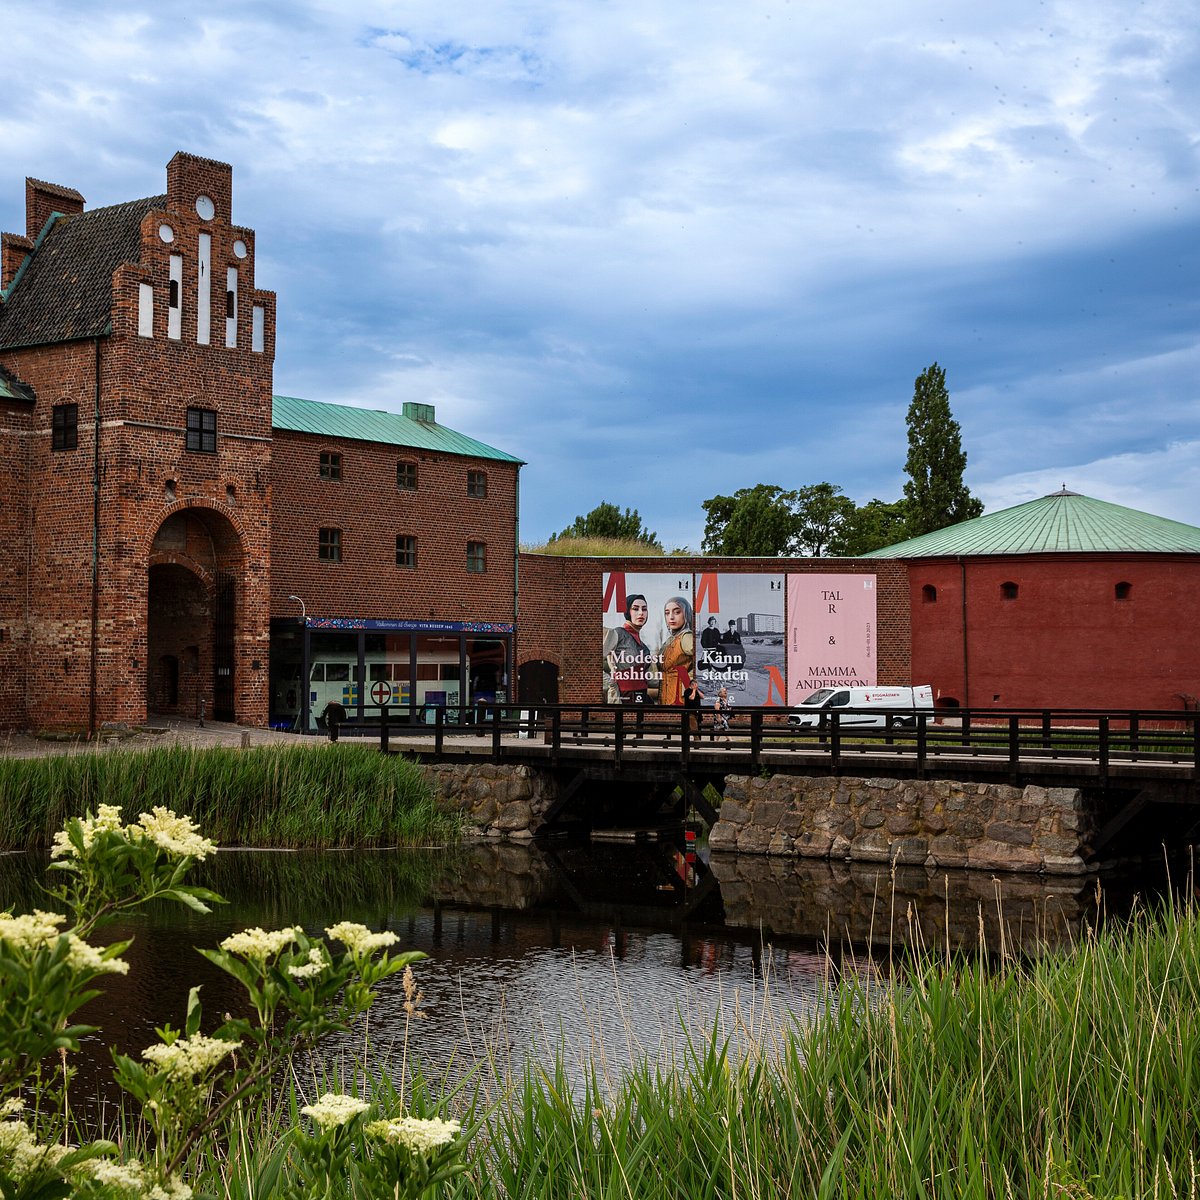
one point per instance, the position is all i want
(678, 652)
(632, 667)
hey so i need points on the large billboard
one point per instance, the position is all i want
(768, 639)
(741, 637)
(649, 647)
(832, 633)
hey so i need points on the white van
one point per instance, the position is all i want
(903, 702)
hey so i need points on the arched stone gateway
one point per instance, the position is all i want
(197, 618)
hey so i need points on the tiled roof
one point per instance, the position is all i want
(1062, 523)
(374, 425)
(64, 290)
(12, 388)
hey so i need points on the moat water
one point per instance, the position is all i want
(601, 952)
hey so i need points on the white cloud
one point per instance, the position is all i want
(598, 230)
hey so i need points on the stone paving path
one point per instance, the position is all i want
(158, 731)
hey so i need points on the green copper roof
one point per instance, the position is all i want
(1062, 523)
(374, 425)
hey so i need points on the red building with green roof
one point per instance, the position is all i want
(1064, 602)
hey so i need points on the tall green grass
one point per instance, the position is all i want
(282, 796)
(1071, 1078)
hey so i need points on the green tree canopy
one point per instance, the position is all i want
(769, 521)
(871, 527)
(822, 511)
(935, 495)
(607, 521)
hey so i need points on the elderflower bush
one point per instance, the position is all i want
(199, 1093)
(400, 1156)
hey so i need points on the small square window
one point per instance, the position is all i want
(202, 430)
(476, 558)
(477, 484)
(406, 551)
(406, 476)
(64, 427)
(331, 465)
(329, 545)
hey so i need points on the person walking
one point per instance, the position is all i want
(721, 707)
(692, 697)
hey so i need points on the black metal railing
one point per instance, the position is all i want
(1020, 737)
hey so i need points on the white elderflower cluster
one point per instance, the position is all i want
(22, 1153)
(106, 820)
(173, 1189)
(176, 835)
(334, 1109)
(260, 944)
(84, 957)
(358, 939)
(29, 931)
(414, 1133)
(188, 1057)
(306, 970)
(125, 1177)
(130, 1178)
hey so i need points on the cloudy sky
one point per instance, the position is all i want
(664, 249)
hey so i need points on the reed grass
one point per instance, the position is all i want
(1073, 1077)
(281, 796)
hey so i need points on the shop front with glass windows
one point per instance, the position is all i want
(350, 670)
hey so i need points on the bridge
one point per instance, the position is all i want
(1125, 761)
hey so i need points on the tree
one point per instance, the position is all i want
(768, 521)
(871, 527)
(753, 522)
(821, 512)
(607, 521)
(935, 494)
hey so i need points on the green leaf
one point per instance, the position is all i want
(192, 1025)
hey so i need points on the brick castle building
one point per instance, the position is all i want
(178, 539)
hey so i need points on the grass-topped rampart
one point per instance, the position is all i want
(284, 796)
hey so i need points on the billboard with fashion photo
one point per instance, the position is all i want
(741, 637)
(831, 633)
(648, 651)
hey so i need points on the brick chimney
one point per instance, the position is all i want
(42, 199)
(13, 249)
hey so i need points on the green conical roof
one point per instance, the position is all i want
(1062, 523)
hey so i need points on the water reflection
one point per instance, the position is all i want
(601, 949)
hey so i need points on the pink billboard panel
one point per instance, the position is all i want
(831, 633)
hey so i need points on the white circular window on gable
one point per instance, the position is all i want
(205, 208)
(239, 248)
(166, 233)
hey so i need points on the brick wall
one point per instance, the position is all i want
(15, 419)
(371, 511)
(1065, 639)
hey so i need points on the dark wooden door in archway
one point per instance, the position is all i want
(537, 682)
(224, 624)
